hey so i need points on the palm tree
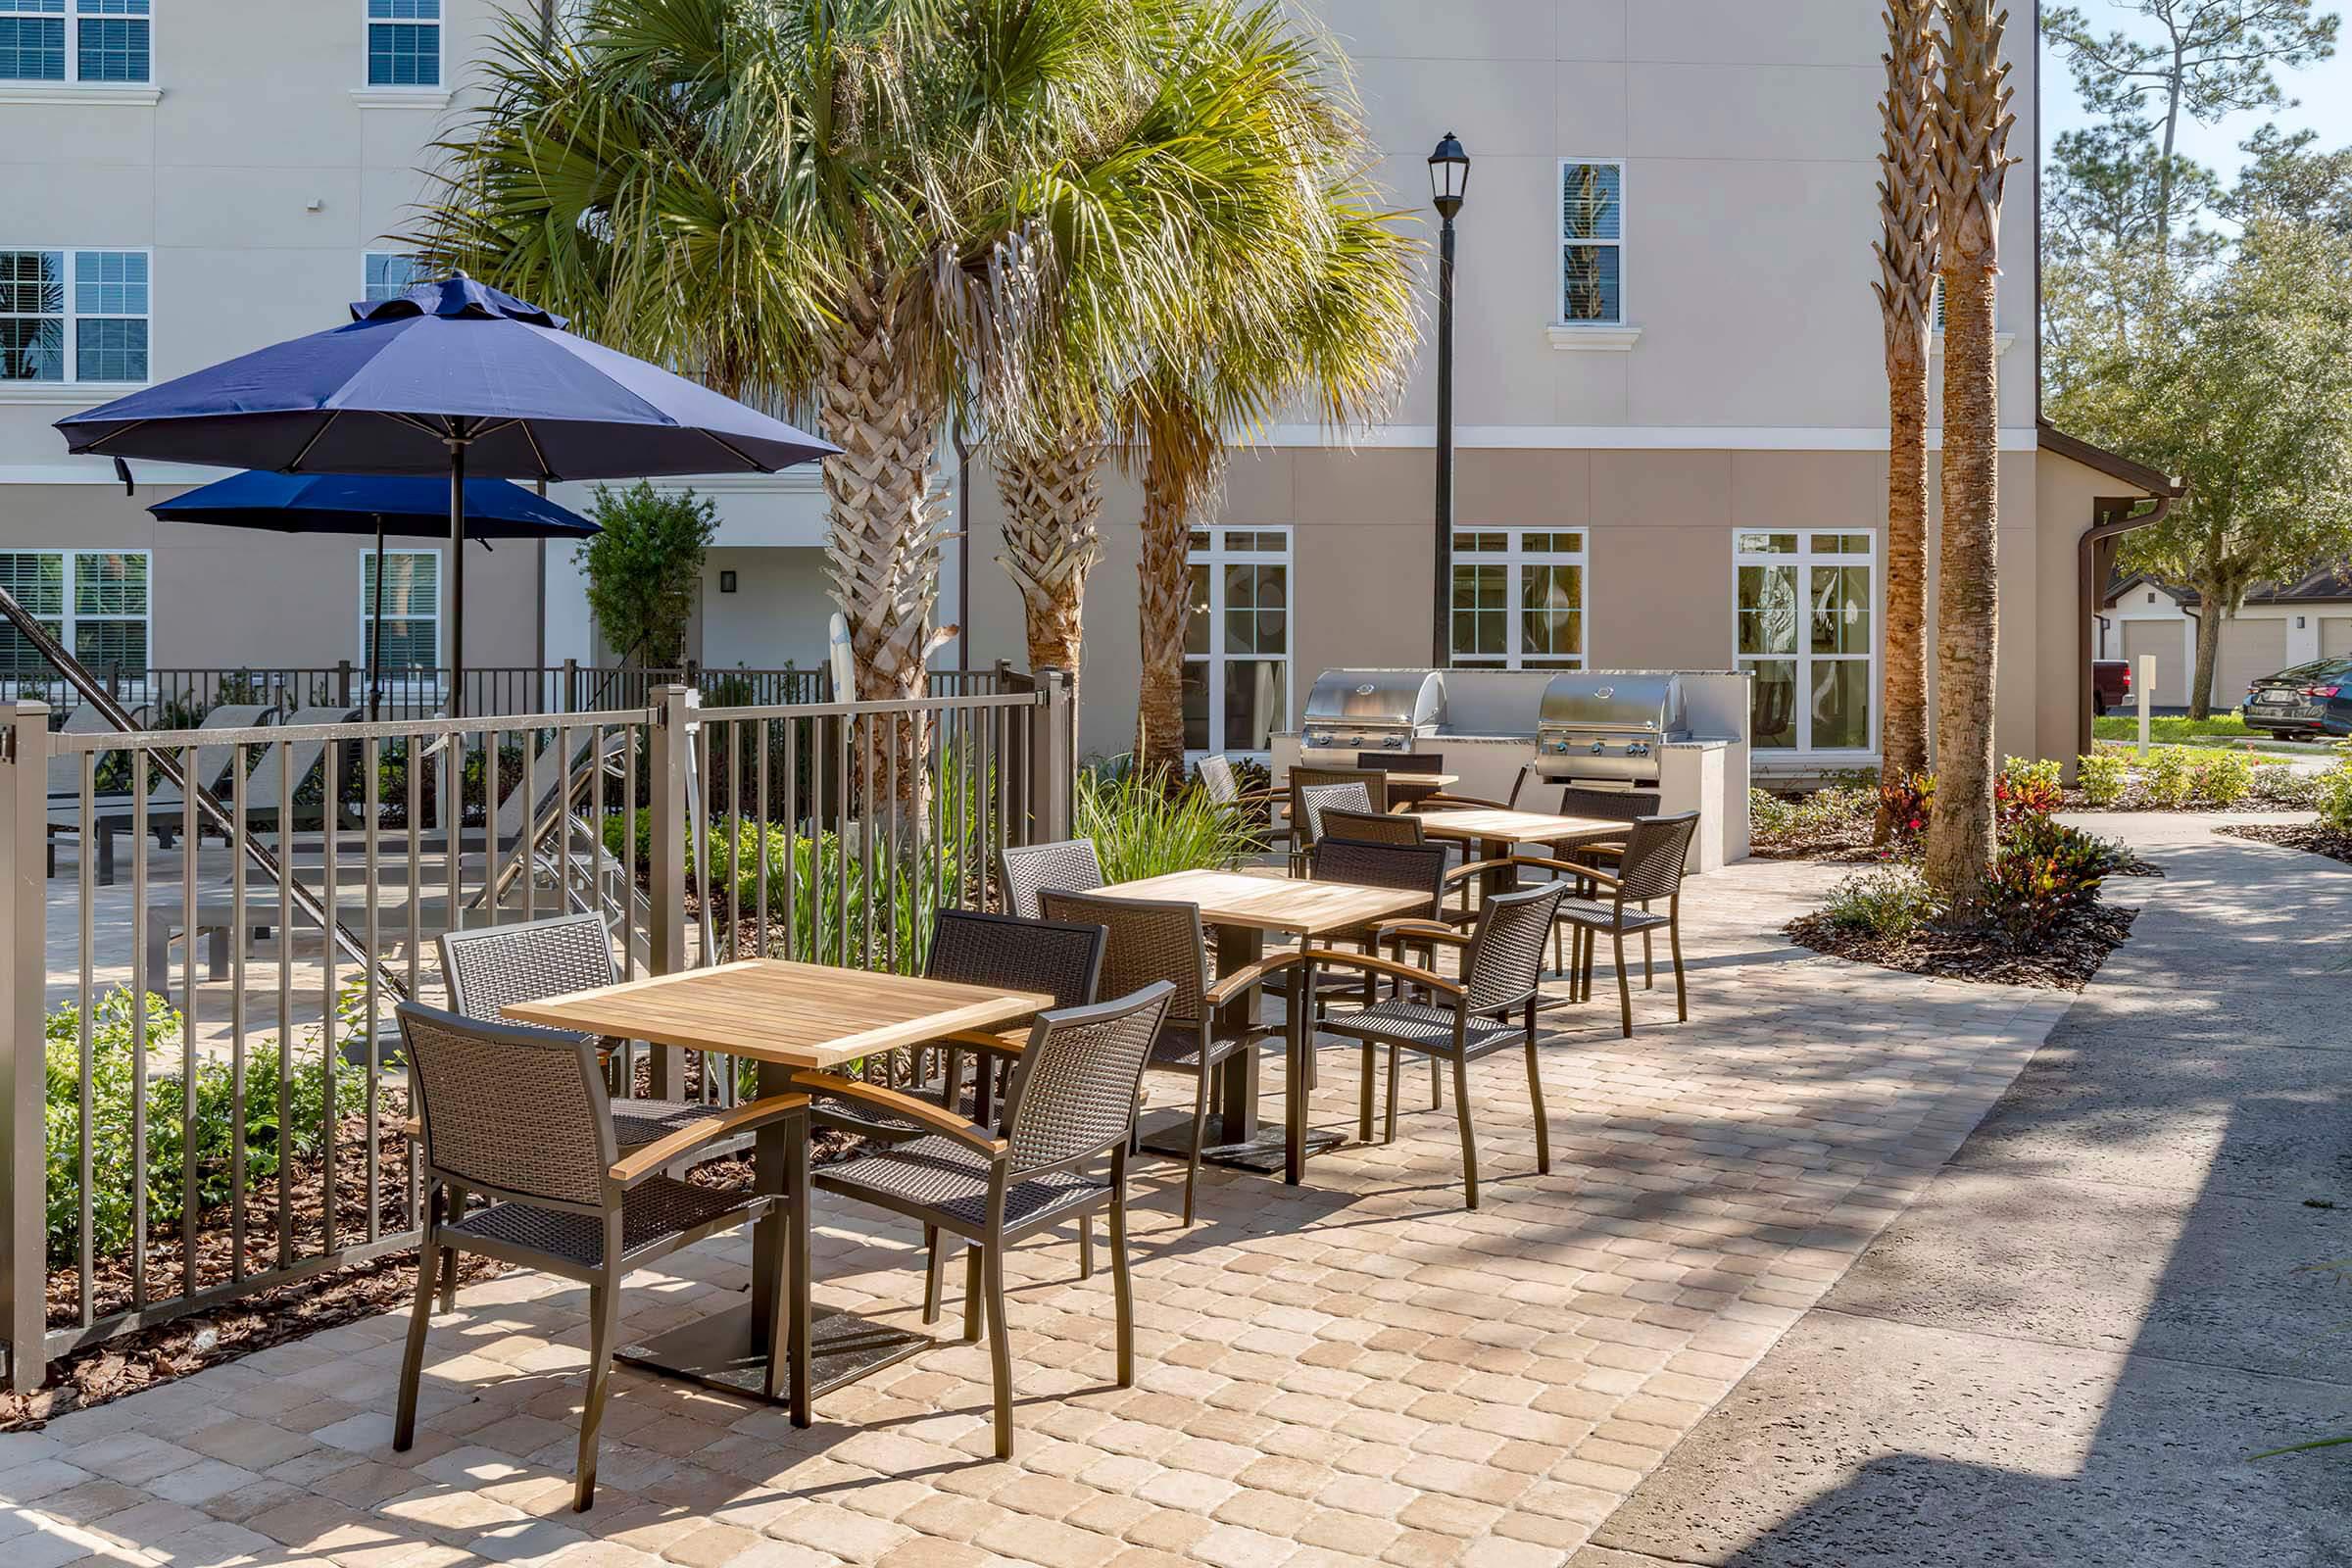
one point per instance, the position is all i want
(1053, 538)
(1906, 291)
(1972, 161)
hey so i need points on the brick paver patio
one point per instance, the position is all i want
(1354, 1370)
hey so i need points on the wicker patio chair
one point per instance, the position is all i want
(1025, 870)
(1367, 827)
(1649, 869)
(1444, 802)
(1401, 762)
(1256, 806)
(1151, 941)
(1502, 969)
(1072, 1104)
(492, 966)
(1372, 863)
(1613, 806)
(563, 1199)
(1308, 803)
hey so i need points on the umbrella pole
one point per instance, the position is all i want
(375, 632)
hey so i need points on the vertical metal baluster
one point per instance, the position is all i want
(239, 933)
(452, 826)
(564, 740)
(865, 841)
(84, 874)
(629, 856)
(887, 854)
(791, 834)
(285, 1005)
(140, 783)
(734, 846)
(412, 770)
(963, 808)
(1000, 734)
(371, 803)
(526, 845)
(765, 819)
(187, 1018)
(329, 992)
(841, 842)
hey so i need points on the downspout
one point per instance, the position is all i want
(2092, 560)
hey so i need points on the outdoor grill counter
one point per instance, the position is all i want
(1680, 732)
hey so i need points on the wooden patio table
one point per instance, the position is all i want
(1244, 907)
(1493, 834)
(786, 1016)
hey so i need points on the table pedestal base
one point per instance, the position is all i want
(1170, 1132)
(717, 1351)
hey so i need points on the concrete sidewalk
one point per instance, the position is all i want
(2066, 1352)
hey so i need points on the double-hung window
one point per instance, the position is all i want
(1237, 640)
(1519, 599)
(390, 275)
(94, 602)
(412, 610)
(1806, 628)
(1593, 243)
(111, 41)
(404, 43)
(72, 315)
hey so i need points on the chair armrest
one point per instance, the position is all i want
(1421, 931)
(1004, 1045)
(1470, 800)
(922, 1110)
(1480, 868)
(1570, 868)
(1379, 965)
(1233, 985)
(638, 1163)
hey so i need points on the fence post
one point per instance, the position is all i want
(343, 681)
(571, 685)
(667, 745)
(24, 926)
(1052, 773)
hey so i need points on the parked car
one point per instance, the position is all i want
(2110, 684)
(2309, 699)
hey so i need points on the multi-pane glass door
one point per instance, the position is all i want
(1806, 627)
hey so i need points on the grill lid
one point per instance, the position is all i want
(1364, 697)
(1614, 700)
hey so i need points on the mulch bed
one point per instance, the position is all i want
(2316, 836)
(2063, 959)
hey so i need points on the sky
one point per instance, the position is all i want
(2325, 91)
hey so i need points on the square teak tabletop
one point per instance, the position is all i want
(1492, 826)
(803, 1015)
(797, 1016)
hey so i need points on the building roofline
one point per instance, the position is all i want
(2154, 482)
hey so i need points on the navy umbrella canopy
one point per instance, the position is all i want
(451, 378)
(382, 504)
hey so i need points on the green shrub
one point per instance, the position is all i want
(114, 1156)
(2102, 777)
(1141, 829)
(2222, 779)
(1907, 800)
(2043, 871)
(2285, 784)
(2026, 790)
(2332, 796)
(2170, 779)
(1891, 903)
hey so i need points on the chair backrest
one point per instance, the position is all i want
(1527, 775)
(1401, 762)
(213, 761)
(1218, 779)
(1611, 806)
(1308, 803)
(303, 756)
(1366, 828)
(1375, 783)
(1420, 867)
(493, 965)
(1004, 949)
(1073, 1093)
(508, 1110)
(1026, 870)
(1651, 863)
(1507, 948)
(1147, 941)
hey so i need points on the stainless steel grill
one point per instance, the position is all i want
(1609, 725)
(1353, 710)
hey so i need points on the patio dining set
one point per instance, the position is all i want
(999, 1094)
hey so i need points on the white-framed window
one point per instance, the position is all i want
(111, 41)
(1518, 598)
(94, 602)
(1237, 640)
(1592, 242)
(404, 43)
(73, 316)
(1806, 623)
(388, 274)
(412, 611)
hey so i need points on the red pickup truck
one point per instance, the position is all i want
(2110, 684)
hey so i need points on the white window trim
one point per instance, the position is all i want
(371, 255)
(75, 90)
(1215, 556)
(70, 390)
(1514, 556)
(366, 618)
(67, 619)
(1564, 333)
(376, 95)
(1806, 557)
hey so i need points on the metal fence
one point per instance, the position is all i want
(203, 1090)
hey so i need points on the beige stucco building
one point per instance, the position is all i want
(1669, 396)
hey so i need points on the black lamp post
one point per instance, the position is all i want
(1448, 180)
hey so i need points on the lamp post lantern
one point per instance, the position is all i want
(1449, 180)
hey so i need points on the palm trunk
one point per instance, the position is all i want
(1960, 830)
(1166, 584)
(1053, 538)
(888, 518)
(1903, 734)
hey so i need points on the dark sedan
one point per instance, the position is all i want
(2312, 700)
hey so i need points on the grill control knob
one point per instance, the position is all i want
(1600, 747)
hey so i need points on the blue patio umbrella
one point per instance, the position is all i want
(451, 377)
(358, 503)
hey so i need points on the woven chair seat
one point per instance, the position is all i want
(1177, 1047)
(1604, 917)
(947, 1177)
(1423, 1028)
(637, 1122)
(654, 1213)
(839, 1110)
